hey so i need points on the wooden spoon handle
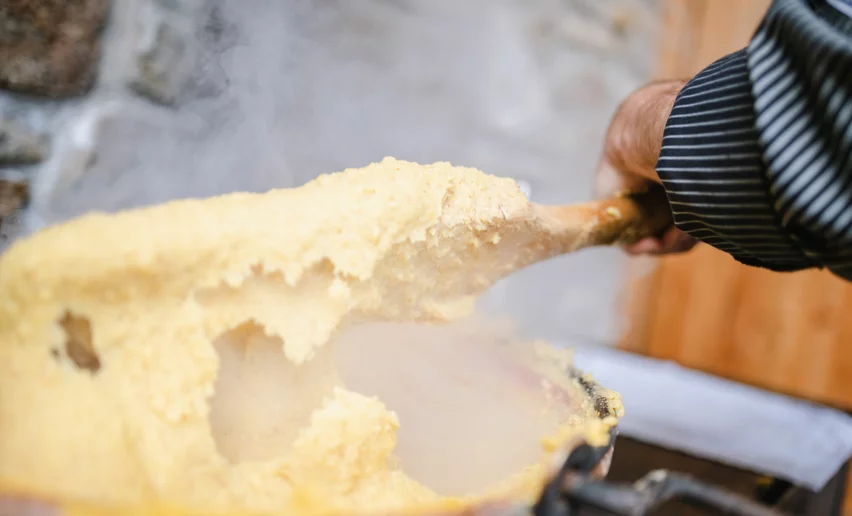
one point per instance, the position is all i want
(630, 218)
(616, 221)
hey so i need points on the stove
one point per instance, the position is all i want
(676, 485)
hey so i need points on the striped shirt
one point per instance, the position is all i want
(757, 152)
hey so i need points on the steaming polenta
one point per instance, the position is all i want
(109, 327)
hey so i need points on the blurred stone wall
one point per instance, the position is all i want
(110, 104)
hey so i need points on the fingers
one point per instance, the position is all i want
(644, 246)
(673, 241)
(610, 181)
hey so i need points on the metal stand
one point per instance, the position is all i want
(574, 490)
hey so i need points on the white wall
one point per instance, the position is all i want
(270, 93)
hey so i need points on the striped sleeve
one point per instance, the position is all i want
(756, 151)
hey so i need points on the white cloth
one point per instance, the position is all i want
(713, 418)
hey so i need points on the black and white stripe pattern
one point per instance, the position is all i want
(712, 168)
(756, 152)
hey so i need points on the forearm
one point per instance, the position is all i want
(731, 158)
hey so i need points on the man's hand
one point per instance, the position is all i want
(631, 149)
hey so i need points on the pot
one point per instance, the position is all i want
(442, 381)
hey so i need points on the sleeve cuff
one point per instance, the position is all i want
(712, 169)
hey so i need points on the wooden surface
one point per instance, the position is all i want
(784, 332)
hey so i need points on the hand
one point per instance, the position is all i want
(631, 149)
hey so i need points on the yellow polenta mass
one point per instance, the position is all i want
(109, 327)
